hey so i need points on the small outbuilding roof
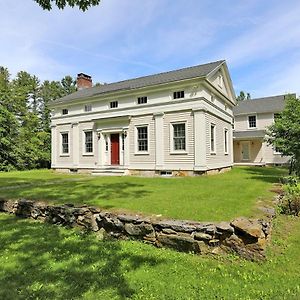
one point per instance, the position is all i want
(260, 105)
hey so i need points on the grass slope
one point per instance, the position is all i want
(41, 261)
(205, 198)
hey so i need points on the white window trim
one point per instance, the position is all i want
(256, 120)
(226, 137)
(136, 146)
(214, 152)
(60, 143)
(172, 150)
(84, 153)
(112, 102)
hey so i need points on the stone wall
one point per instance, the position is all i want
(246, 237)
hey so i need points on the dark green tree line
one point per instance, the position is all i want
(25, 137)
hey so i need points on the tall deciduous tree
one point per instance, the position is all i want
(61, 4)
(284, 134)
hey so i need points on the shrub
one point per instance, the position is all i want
(290, 204)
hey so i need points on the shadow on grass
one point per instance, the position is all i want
(266, 174)
(77, 191)
(54, 263)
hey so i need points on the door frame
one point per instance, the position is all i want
(249, 152)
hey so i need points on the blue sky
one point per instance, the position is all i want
(122, 39)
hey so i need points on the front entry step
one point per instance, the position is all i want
(109, 171)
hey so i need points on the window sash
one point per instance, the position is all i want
(142, 138)
(179, 140)
(65, 111)
(65, 143)
(252, 121)
(88, 141)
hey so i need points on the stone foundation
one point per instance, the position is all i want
(246, 237)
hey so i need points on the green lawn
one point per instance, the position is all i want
(42, 261)
(205, 198)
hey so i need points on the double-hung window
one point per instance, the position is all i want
(142, 138)
(88, 141)
(65, 143)
(252, 121)
(179, 139)
(212, 138)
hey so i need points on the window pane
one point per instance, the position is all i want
(179, 136)
(142, 137)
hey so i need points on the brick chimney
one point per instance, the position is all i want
(84, 81)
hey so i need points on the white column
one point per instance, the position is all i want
(200, 138)
(54, 150)
(75, 144)
(159, 139)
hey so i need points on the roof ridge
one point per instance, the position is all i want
(167, 72)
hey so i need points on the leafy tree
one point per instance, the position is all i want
(61, 4)
(284, 134)
(243, 96)
(25, 137)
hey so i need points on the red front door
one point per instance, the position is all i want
(114, 149)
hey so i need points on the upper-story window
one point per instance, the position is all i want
(252, 121)
(65, 111)
(178, 94)
(113, 104)
(88, 107)
(142, 100)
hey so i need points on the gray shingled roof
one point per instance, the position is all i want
(260, 105)
(181, 74)
(249, 134)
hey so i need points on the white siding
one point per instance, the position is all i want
(179, 161)
(137, 160)
(219, 158)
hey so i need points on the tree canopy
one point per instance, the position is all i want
(61, 4)
(284, 134)
(243, 96)
(25, 141)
